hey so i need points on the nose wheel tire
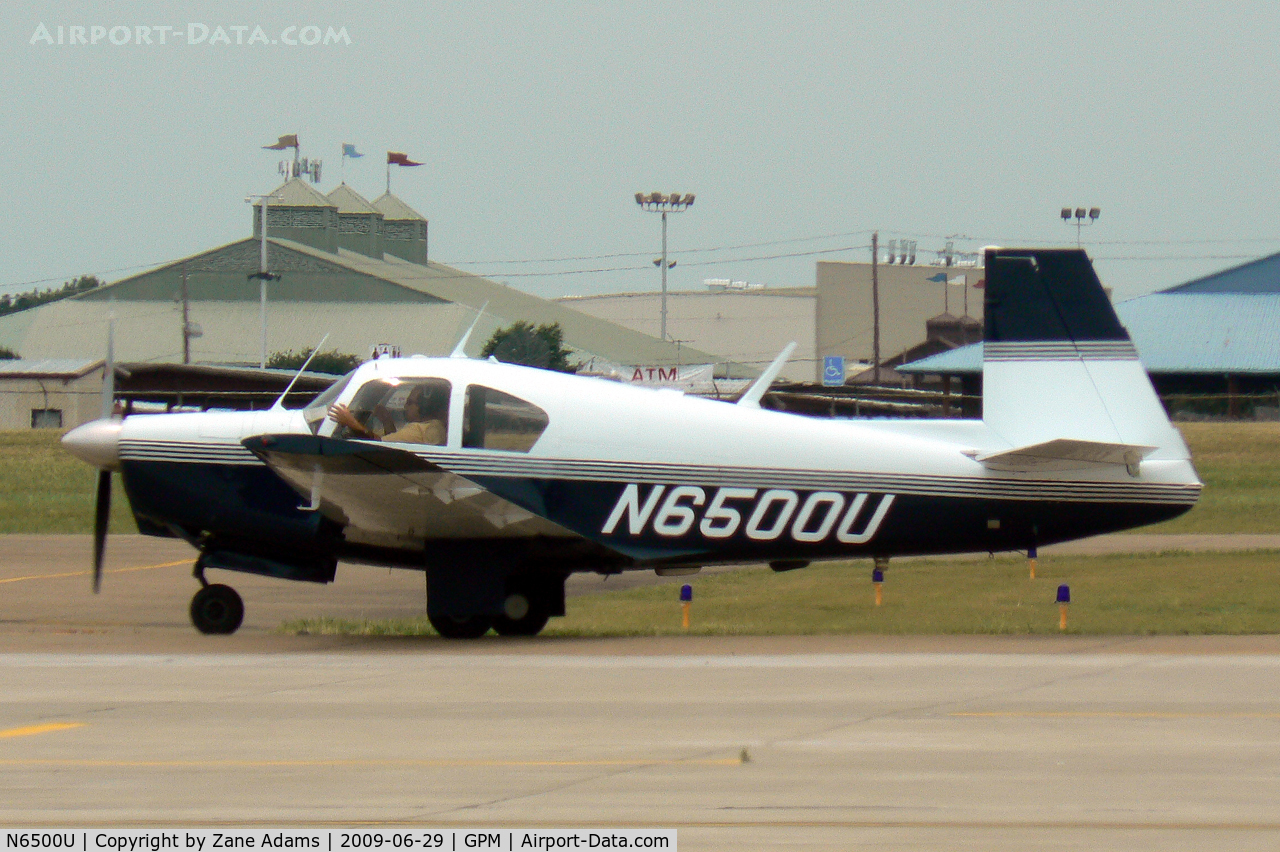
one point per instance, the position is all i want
(217, 609)
(460, 627)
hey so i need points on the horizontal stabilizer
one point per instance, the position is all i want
(1064, 453)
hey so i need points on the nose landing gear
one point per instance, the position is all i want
(215, 609)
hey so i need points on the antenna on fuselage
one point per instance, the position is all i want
(279, 404)
(751, 399)
(459, 350)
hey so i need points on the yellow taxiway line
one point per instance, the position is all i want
(32, 730)
(88, 573)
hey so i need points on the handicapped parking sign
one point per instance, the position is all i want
(832, 371)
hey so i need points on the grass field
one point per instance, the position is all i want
(1171, 593)
(1240, 466)
(45, 490)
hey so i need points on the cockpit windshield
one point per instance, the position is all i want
(315, 412)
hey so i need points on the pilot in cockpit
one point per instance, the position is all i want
(425, 414)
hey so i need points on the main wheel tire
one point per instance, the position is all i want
(217, 609)
(523, 615)
(460, 627)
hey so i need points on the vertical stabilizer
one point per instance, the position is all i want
(1057, 363)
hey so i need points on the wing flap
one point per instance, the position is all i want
(392, 496)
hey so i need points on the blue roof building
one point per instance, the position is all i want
(1209, 344)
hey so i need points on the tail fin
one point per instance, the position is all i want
(1058, 365)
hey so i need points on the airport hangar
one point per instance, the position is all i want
(1211, 345)
(353, 269)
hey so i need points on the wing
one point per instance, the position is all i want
(389, 496)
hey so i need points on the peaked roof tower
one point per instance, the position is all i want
(404, 229)
(360, 224)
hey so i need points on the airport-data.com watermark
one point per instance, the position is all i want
(229, 35)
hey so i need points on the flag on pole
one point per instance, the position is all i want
(959, 280)
(937, 279)
(350, 151)
(290, 141)
(397, 159)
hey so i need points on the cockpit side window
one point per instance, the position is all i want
(409, 411)
(493, 420)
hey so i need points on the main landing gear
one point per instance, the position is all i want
(526, 601)
(215, 608)
(524, 613)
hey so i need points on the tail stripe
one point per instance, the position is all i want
(1091, 350)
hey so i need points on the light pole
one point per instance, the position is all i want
(262, 274)
(1080, 214)
(656, 202)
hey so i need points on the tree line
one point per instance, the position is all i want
(11, 304)
(520, 343)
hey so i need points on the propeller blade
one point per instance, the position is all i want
(101, 514)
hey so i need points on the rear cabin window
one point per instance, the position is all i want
(493, 420)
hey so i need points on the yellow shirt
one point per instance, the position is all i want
(423, 432)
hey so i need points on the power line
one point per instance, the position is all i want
(65, 278)
(162, 263)
(17, 286)
(721, 261)
(676, 251)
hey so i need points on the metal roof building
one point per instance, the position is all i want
(1260, 276)
(1216, 337)
(49, 392)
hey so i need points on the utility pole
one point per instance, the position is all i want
(262, 275)
(875, 306)
(186, 319)
(663, 264)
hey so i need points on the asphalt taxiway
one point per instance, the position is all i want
(113, 711)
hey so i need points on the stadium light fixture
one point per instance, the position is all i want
(656, 202)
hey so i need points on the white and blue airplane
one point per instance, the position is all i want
(537, 475)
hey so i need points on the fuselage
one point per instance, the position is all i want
(646, 477)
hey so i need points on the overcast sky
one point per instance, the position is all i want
(800, 127)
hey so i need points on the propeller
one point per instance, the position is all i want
(101, 515)
(102, 507)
